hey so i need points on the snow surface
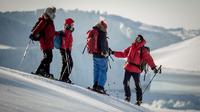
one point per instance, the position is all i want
(23, 92)
(181, 56)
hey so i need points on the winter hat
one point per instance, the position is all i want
(102, 26)
(103, 23)
(69, 21)
(50, 11)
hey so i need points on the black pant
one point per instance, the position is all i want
(126, 82)
(44, 67)
(67, 64)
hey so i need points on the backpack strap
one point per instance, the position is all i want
(141, 51)
(42, 31)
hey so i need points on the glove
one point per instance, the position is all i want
(155, 70)
(35, 37)
(110, 51)
(105, 54)
(31, 37)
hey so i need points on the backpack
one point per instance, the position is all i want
(38, 36)
(58, 40)
(143, 65)
(92, 38)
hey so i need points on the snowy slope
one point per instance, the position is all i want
(23, 92)
(4, 47)
(184, 55)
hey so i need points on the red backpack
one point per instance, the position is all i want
(92, 38)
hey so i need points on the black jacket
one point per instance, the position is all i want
(102, 43)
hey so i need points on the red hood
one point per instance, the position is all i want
(139, 45)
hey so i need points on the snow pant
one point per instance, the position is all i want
(126, 82)
(67, 64)
(100, 68)
(44, 67)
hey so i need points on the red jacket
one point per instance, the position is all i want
(46, 25)
(67, 40)
(133, 56)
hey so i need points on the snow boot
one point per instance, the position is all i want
(101, 90)
(50, 76)
(138, 103)
(95, 86)
(39, 72)
(69, 81)
(127, 98)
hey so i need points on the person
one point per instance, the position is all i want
(100, 57)
(44, 31)
(65, 50)
(135, 54)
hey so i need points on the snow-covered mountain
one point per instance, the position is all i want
(184, 34)
(184, 55)
(23, 92)
(16, 26)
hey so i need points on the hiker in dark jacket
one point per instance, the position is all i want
(45, 31)
(100, 57)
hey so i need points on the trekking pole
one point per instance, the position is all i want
(25, 53)
(159, 69)
(84, 49)
(67, 62)
(111, 58)
(109, 63)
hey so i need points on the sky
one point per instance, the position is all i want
(165, 13)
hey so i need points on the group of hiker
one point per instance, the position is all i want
(97, 45)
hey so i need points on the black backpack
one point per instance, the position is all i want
(143, 65)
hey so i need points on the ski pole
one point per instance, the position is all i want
(25, 53)
(159, 69)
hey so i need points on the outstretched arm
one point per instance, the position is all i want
(123, 54)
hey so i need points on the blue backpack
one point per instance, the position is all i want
(58, 40)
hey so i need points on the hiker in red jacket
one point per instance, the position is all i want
(135, 56)
(65, 50)
(44, 32)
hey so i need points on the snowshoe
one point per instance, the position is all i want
(66, 81)
(36, 74)
(50, 76)
(98, 91)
